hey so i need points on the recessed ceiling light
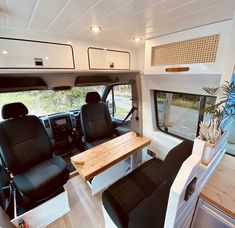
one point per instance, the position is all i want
(137, 39)
(4, 52)
(69, 42)
(47, 58)
(95, 28)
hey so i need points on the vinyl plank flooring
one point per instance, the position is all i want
(85, 209)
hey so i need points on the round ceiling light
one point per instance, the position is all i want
(95, 28)
(4, 52)
(137, 39)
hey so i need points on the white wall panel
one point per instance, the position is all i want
(223, 28)
(199, 75)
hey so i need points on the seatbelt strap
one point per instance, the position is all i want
(130, 113)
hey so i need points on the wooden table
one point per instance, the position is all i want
(220, 189)
(99, 158)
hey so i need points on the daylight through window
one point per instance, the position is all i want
(179, 114)
(45, 102)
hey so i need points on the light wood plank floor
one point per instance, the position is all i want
(85, 209)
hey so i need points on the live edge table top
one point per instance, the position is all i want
(97, 159)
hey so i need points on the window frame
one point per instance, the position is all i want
(202, 105)
(110, 89)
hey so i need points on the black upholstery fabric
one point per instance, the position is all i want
(37, 182)
(139, 200)
(96, 121)
(92, 97)
(151, 211)
(27, 153)
(89, 145)
(13, 110)
(5, 189)
(124, 195)
(25, 143)
(175, 159)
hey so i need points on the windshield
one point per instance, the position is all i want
(44, 102)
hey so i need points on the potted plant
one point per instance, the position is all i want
(212, 131)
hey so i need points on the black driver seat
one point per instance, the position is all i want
(27, 153)
(96, 121)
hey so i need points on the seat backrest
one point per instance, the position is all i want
(175, 158)
(23, 139)
(95, 118)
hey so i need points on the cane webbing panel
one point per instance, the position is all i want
(198, 50)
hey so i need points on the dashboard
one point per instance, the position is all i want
(60, 126)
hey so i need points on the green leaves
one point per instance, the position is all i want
(210, 90)
(226, 105)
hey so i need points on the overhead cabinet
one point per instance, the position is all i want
(201, 50)
(27, 54)
(105, 59)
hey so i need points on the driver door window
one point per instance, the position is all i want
(119, 101)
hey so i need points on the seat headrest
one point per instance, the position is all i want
(92, 97)
(13, 110)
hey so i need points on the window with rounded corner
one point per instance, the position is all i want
(179, 114)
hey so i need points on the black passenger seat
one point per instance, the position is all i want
(27, 153)
(96, 121)
(139, 200)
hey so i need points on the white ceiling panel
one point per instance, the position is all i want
(121, 20)
(120, 17)
(147, 25)
(45, 12)
(72, 12)
(19, 12)
(182, 9)
(153, 15)
(94, 15)
(194, 19)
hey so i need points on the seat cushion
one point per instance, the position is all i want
(123, 196)
(151, 211)
(39, 181)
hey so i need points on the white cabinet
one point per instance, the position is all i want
(98, 58)
(26, 54)
(208, 215)
(45, 213)
(113, 174)
(105, 59)
(120, 60)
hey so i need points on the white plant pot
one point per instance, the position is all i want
(208, 154)
(210, 150)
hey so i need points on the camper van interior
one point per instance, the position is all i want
(117, 113)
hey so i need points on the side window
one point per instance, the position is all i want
(180, 114)
(119, 101)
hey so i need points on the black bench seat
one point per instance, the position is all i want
(139, 200)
